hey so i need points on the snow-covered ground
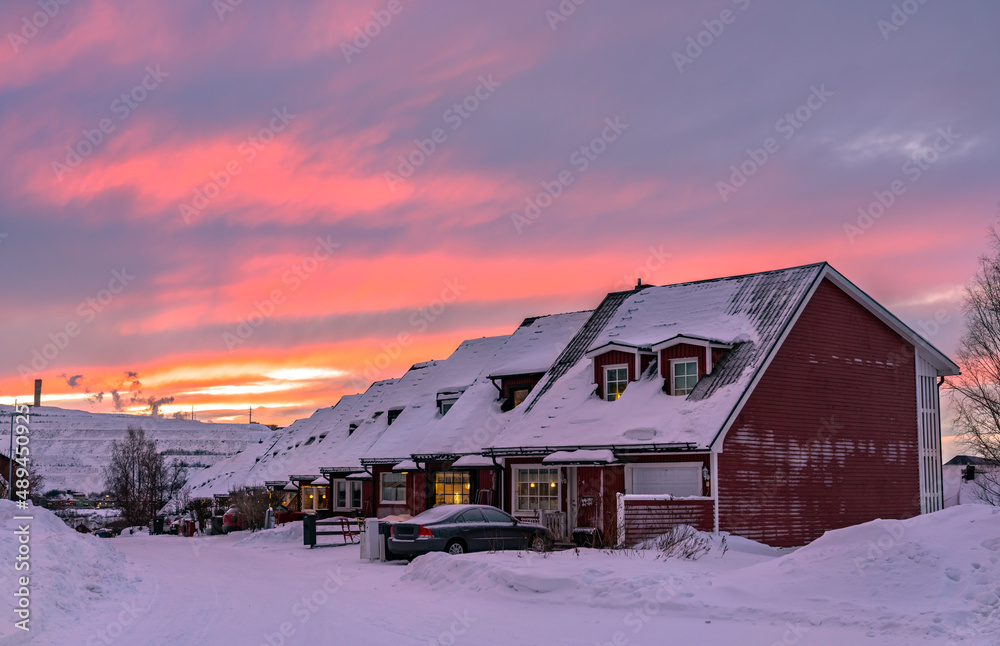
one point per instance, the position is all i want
(929, 580)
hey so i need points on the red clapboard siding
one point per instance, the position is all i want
(828, 438)
(646, 519)
(682, 351)
(609, 359)
(614, 483)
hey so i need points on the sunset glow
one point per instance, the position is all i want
(245, 212)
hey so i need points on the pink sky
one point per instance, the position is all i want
(248, 165)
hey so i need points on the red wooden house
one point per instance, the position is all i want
(776, 406)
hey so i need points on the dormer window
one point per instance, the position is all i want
(683, 375)
(444, 405)
(393, 414)
(615, 381)
(351, 428)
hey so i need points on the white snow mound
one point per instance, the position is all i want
(69, 572)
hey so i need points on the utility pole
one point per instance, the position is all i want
(251, 415)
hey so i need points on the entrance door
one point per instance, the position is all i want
(590, 499)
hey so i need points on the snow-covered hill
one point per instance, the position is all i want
(71, 447)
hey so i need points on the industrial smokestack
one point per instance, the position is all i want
(38, 392)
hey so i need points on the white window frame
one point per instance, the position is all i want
(445, 405)
(317, 494)
(697, 467)
(350, 486)
(673, 373)
(515, 509)
(607, 369)
(381, 489)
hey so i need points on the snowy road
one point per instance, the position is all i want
(271, 591)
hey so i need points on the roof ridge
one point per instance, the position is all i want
(578, 345)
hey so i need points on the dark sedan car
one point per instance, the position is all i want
(457, 529)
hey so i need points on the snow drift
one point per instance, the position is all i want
(69, 572)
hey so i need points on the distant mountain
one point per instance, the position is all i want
(72, 447)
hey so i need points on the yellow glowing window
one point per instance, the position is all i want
(615, 381)
(537, 489)
(452, 488)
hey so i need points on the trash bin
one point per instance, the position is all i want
(190, 528)
(158, 525)
(216, 524)
(587, 537)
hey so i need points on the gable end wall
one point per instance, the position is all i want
(828, 438)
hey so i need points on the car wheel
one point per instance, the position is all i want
(538, 544)
(455, 547)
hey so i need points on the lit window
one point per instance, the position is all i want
(393, 488)
(537, 489)
(452, 488)
(615, 380)
(520, 395)
(684, 375)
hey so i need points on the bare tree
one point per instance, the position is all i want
(138, 478)
(251, 505)
(976, 393)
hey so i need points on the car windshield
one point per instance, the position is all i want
(435, 514)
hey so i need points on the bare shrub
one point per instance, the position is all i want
(251, 505)
(682, 541)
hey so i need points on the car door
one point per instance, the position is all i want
(504, 529)
(472, 529)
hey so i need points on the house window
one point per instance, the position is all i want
(677, 479)
(394, 488)
(536, 489)
(393, 414)
(520, 395)
(346, 494)
(314, 498)
(351, 428)
(445, 405)
(683, 375)
(615, 380)
(452, 488)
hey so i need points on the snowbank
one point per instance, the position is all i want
(287, 534)
(941, 572)
(69, 572)
(936, 575)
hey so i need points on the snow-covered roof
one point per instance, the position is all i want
(750, 312)
(475, 419)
